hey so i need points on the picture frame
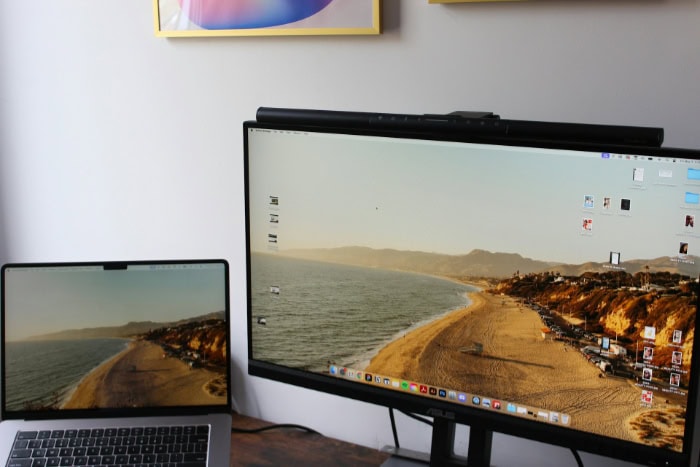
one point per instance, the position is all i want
(211, 18)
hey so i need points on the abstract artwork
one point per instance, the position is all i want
(190, 18)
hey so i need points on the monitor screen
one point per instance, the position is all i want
(546, 292)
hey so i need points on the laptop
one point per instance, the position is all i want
(104, 363)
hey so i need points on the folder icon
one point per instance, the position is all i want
(692, 198)
(693, 174)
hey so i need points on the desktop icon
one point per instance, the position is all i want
(692, 198)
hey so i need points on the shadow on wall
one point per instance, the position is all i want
(3, 226)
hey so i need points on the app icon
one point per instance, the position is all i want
(404, 385)
(423, 389)
(476, 400)
(442, 393)
(496, 405)
(368, 377)
(432, 391)
(462, 397)
(511, 408)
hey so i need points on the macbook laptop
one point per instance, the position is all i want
(115, 364)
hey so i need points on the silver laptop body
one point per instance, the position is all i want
(136, 350)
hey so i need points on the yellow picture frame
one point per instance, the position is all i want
(335, 17)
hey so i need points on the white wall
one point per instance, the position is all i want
(115, 144)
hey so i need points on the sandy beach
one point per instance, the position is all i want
(141, 376)
(516, 364)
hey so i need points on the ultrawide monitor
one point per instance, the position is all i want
(543, 290)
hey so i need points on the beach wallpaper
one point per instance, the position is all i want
(562, 284)
(88, 338)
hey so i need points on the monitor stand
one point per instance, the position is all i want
(442, 449)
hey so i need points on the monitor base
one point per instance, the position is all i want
(442, 449)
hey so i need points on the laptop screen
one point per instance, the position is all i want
(114, 336)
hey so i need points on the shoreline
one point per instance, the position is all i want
(68, 395)
(516, 364)
(142, 376)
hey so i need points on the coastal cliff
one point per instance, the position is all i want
(202, 342)
(616, 303)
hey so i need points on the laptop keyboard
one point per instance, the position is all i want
(161, 446)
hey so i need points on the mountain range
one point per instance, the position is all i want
(130, 329)
(477, 263)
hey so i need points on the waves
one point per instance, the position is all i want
(41, 374)
(336, 313)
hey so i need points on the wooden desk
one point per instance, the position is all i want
(291, 448)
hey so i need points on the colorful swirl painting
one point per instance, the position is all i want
(265, 17)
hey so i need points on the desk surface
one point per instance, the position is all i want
(291, 447)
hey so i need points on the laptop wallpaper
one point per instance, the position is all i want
(88, 338)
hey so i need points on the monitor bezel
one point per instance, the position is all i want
(464, 414)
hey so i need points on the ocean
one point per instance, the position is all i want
(329, 313)
(40, 372)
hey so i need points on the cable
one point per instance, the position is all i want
(579, 462)
(393, 428)
(408, 414)
(283, 426)
(417, 417)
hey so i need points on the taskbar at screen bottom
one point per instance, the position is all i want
(460, 397)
